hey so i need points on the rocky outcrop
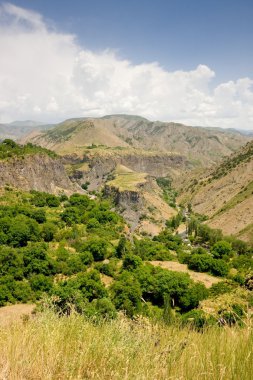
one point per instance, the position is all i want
(100, 167)
(130, 204)
(36, 172)
(143, 207)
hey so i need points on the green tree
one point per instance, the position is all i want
(126, 294)
(97, 247)
(131, 262)
(221, 248)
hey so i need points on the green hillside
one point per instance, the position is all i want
(77, 252)
(9, 149)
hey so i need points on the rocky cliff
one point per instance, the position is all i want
(97, 166)
(140, 200)
(36, 172)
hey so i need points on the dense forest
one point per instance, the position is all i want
(75, 253)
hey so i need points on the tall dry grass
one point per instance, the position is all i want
(49, 347)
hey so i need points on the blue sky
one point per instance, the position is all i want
(203, 46)
(179, 34)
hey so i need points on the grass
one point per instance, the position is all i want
(127, 180)
(49, 347)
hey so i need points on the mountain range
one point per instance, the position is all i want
(201, 146)
(126, 156)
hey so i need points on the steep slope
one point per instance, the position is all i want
(98, 164)
(32, 168)
(201, 146)
(225, 194)
(139, 199)
(94, 148)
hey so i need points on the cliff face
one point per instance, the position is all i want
(97, 167)
(36, 172)
(141, 204)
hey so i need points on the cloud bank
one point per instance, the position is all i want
(46, 75)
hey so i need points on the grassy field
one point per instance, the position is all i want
(49, 347)
(128, 180)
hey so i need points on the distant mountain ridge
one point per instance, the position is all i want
(17, 129)
(201, 146)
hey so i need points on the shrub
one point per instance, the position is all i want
(97, 247)
(219, 268)
(126, 294)
(48, 231)
(200, 262)
(221, 249)
(131, 262)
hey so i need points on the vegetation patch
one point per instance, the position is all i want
(169, 194)
(128, 180)
(10, 149)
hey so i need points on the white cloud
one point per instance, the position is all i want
(45, 75)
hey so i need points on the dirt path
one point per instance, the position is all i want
(13, 313)
(205, 278)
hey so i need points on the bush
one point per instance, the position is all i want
(219, 268)
(48, 231)
(100, 309)
(79, 200)
(221, 288)
(192, 296)
(195, 318)
(86, 257)
(200, 262)
(72, 215)
(221, 249)
(243, 263)
(40, 283)
(126, 294)
(151, 250)
(131, 262)
(41, 199)
(206, 263)
(78, 291)
(97, 247)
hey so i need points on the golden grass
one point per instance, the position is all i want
(128, 180)
(9, 314)
(49, 347)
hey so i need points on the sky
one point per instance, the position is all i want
(189, 61)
